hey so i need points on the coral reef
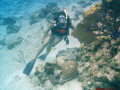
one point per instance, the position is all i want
(35, 17)
(11, 45)
(69, 69)
(51, 72)
(100, 20)
(48, 72)
(49, 9)
(60, 61)
(2, 42)
(78, 11)
(12, 29)
(103, 67)
(8, 21)
(84, 3)
(69, 53)
(52, 5)
(98, 65)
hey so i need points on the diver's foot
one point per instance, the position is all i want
(42, 57)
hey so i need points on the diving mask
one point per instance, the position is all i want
(62, 19)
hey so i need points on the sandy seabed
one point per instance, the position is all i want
(13, 61)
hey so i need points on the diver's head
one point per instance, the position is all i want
(61, 18)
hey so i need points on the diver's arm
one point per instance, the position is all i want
(72, 27)
(48, 29)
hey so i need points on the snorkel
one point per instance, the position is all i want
(66, 14)
(61, 24)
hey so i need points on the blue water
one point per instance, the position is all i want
(11, 8)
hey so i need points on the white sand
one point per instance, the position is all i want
(12, 61)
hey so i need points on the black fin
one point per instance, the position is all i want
(29, 67)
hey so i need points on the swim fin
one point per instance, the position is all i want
(42, 57)
(29, 67)
(67, 41)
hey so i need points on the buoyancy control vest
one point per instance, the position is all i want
(57, 30)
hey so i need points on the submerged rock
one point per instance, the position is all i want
(78, 12)
(11, 45)
(84, 3)
(60, 61)
(51, 72)
(53, 80)
(49, 68)
(12, 29)
(45, 72)
(36, 17)
(8, 21)
(69, 70)
(52, 4)
(69, 53)
(49, 9)
(2, 42)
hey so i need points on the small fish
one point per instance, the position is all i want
(53, 48)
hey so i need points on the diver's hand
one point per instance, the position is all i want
(42, 41)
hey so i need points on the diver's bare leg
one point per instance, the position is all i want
(55, 42)
(46, 42)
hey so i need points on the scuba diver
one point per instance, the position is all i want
(58, 29)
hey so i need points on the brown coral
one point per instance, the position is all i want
(60, 61)
(92, 10)
(100, 20)
(69, 69)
